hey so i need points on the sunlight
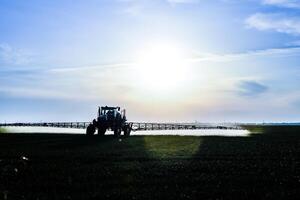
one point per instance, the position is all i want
(161, 67)
(172, 147)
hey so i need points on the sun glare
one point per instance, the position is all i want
(161, 67)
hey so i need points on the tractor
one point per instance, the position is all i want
(110, 118)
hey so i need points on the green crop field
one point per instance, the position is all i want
(2, 130)
(66, 166)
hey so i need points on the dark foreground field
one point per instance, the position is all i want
(53, 166)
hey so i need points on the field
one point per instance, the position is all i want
(2, 130)
(264, 165)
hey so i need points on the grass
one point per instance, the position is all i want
(52, 166)
(273, 129)
(2, 130)
(171, 147)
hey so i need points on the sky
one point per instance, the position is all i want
(162, 60)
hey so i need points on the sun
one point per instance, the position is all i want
(161, 67)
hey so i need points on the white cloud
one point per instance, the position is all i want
(292, 51)
(14, 56)
(283, 3)
(30, 92)
(274, 22)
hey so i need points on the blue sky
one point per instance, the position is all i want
(163, 60)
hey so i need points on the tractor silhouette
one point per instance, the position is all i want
(110, 118)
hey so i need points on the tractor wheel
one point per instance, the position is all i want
(90, 130)
(101, 131)
(117, 132)
(127, 131)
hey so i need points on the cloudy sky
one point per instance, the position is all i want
(163, 60)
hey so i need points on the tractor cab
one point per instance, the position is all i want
(111, 113)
